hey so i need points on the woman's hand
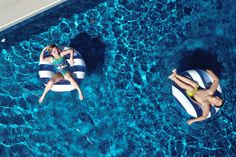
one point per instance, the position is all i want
(190, 122)
(42, 58)
(212, 74)
(45, 48)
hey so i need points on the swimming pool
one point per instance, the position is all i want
(131, 48)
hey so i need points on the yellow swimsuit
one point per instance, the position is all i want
(191, 94)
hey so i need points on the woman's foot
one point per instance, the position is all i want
(172, 76)
(41, 99)
(81, 97)
(174, 71)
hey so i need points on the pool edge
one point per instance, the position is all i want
(30, 14)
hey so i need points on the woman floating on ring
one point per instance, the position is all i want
(204, 97)
(60, 64)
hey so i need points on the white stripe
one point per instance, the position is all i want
(209, 115)
(217, 109)
(46, 74)
(62, 88)
(184, 101)
(67, 48)
(196, 77)
(49, 74)
(79, 74)
(77, 61)
(45, 62)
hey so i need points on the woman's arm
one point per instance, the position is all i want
(215, 81)
(214, 77)
(42, 58)
(201, 118)
(71, 52)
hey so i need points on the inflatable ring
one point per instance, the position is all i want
(46, 71)
(188, 104)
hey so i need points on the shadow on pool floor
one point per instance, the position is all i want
(92, 51)
(199, 59)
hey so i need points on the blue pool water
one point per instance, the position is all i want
(130, 48)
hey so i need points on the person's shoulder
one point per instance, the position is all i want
(209, 91)
(206, 106)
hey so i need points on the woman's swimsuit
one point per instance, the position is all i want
(61, 65)
(191, 93)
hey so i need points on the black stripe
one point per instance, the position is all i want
(46, 67)
(77, 68)
(186, 74)
(212, 110)
(76, 56)
(217, 93)
(46, 54)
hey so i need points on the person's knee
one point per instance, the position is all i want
(67, 76)
(52, 81)
(69, 79)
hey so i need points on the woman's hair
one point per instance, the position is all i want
(220, 105)
(50, 47)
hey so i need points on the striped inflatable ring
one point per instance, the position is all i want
(190, 106)
(46, 71)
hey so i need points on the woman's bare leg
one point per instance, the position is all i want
(49, 85)
(179, 82)
(185, 79)
(74, 84)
